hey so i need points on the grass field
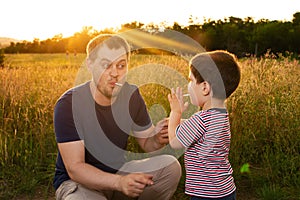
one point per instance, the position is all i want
(264, 113)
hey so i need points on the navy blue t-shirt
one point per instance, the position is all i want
(104, 129)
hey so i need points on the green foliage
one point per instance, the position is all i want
(272, 192)
(245, 168)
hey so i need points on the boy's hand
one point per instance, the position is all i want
(176, 101)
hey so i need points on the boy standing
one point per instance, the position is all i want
(214, 76)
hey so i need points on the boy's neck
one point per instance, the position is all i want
(214, 103)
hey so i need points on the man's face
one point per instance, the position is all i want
(109, 68)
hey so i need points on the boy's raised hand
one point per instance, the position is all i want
(176, 101)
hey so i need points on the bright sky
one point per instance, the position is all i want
(29, 19)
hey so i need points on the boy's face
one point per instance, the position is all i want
(195, 91)
(109, 68)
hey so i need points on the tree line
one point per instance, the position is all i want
(243, 37)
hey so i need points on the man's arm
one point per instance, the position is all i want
(73, 157)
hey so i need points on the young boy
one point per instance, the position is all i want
(214, 76)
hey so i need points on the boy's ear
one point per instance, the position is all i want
(206, 88)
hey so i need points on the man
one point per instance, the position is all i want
(92, 123)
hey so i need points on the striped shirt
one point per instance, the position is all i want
(206, 136)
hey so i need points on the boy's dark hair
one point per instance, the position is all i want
(220, 69)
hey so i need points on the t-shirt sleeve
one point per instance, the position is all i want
(64, 127)
(191, 130)
(139, 113)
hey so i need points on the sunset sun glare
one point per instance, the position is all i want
(26, 20)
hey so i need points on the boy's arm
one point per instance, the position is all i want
(177, 107)
(174, 121)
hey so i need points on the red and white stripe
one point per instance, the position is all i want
(206, 135)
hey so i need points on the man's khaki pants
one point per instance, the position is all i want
(165, 169)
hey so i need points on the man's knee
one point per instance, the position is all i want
(165, 180)
(174, 170)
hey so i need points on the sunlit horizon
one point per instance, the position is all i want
(27, 20)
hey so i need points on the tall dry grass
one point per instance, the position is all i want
(264, 114)
(265, 121)
(29, 87)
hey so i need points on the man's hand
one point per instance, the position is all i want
(133, 185)
(161, 130)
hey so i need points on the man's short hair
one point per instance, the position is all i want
(113, 41)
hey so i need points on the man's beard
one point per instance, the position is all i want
(107, 93)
